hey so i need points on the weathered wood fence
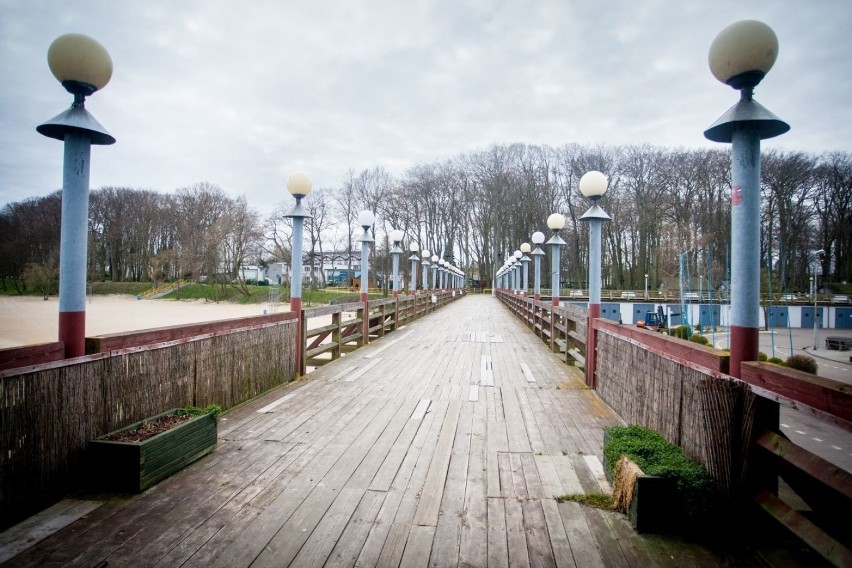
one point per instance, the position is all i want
(731, 425)
(51, 407)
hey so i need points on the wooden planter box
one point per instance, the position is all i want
(136, 466)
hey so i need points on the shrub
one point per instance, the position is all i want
(700, 339)
(802, 363)
(681, 331)
(656, 456)
(776, 360)
(761, 356)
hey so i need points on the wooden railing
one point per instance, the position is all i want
(325, 341)
(824, 487)
(562, 328)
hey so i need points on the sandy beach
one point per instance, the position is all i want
(25, 320)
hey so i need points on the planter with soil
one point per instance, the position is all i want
(136, 457)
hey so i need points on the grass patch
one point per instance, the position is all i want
(596, 500)
(260, 294)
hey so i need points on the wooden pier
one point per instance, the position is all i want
(442, 444)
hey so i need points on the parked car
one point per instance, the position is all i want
(628, 295)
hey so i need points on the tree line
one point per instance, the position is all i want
(473, 209)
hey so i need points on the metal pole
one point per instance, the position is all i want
(745, 245)
(413, 281)
(425, 268)
(395, 253)
(365, 253)
(595, 268)
(296, 263)
(816, 317)
(73, 243)
(646, 286)
(554, 274)
(537, 286)
(526, 261)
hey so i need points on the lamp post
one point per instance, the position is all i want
(525, 260)
(517, 270)
(299, 186)
(83, 66)
(425, 268)
(646, 287)
(593, 185)
(365, 219)
(396, 236)
(537, 239)
(816, 270)
(435, 284)
(414, 248)
(556, 222)
(740, 56)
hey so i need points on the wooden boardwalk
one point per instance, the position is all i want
(442, 444)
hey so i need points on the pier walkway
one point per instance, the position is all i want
(443, 444)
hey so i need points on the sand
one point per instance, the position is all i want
(25, 320)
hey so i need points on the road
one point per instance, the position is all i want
(829, 442)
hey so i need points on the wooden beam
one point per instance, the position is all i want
(826, 546)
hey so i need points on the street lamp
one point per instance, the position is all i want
(816, 269)
(435, 283)
(556, 222)
(366, 219)
(740, 56)
(299, 186)
(593, 185)
(525, 250)
(396, 236)
(83, 66)
(537, 239)
(425, 268)
(517, 269)
(414, 248)
(646, 287)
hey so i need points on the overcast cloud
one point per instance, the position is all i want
(239, 94)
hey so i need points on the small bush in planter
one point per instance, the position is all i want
(776, 360)
(655, 456)
(803, 363)
(681, 331)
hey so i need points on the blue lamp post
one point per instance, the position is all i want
(593, 185)
(396, 236)
(365, 219)
(435, 283)
(740, 56)
(83, 66)
(537, 239)
(425, 267)
(525, 260)
(556, 222)
(415, 249)
(299, 186)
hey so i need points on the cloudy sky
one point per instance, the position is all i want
(239, 94)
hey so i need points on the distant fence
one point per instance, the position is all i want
(51, 407)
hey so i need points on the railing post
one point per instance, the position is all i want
(303, 343)
(335, 335)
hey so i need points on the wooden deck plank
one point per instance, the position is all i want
(418, 546)
(445, 547)
(559, 543)
(433, 489)
(473, 546)
(584, 547)
(535, 528)
(498, 547)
